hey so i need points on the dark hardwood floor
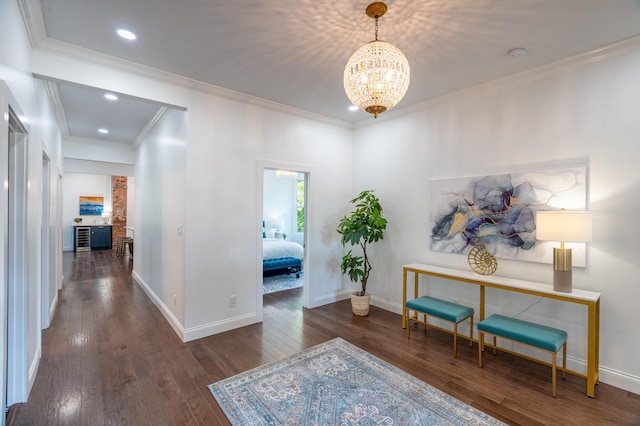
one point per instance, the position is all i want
(110, 357)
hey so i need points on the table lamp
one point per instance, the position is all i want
(565, 227)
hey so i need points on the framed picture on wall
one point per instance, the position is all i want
(499, 211)
(91, 205)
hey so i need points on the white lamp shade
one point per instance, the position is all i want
(564, 226)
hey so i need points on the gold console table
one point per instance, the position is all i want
(588, 298)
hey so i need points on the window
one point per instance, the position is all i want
(300, 205)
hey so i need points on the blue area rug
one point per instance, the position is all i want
(281, 282)
(336, 383)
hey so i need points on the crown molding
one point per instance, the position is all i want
(156, 118)
(33, 18)
(63, 49)
(54, 97)
(99, 142)
(600, 54)
(85, 166)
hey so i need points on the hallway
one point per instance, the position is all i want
(110, 357)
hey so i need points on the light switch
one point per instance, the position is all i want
(180, 230)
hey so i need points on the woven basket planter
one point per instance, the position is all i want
(360, 304)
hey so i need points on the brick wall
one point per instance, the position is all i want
(119, 206)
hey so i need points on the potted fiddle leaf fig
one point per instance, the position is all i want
(365, 225)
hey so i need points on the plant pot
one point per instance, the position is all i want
(360, 304)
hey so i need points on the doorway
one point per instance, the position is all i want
(283, 215)
(46, 261)
(17, 273)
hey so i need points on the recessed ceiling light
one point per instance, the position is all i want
(126, 34)
(353, 108)
(110, 96)
(103, 131)
(518, 52)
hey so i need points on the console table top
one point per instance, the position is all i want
(502, 282)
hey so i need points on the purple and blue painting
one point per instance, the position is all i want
(500, 212)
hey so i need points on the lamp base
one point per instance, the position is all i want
(562, 281)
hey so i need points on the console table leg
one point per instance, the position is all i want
(593, 341)
(481, 302)
(404, 299)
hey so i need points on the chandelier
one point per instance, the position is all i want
(376, 76)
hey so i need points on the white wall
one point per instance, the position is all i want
(572, 110)
(73, 165)
(52, 148)
(75, 185)
(44, 136)
(228, 137)
(159, 261)
(98, 151)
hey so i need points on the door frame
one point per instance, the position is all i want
(13, 298)
(46, 246)
(59, 277)
(308, 172)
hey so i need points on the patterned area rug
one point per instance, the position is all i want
(280, 283)
(336, 383)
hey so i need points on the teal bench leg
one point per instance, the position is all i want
(546, 338)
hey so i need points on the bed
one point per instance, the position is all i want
(281, 257)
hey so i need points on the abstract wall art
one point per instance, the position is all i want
(91, 205)
(499, 212)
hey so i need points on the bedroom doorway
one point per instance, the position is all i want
(283, 229)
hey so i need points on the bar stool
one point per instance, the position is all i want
(123, 243)
(119, 246)
(127, 242)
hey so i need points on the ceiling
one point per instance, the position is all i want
(293, 52)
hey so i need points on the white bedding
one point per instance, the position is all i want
(273, 248)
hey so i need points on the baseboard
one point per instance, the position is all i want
(193, 333)
(52, 308)
(166, 312)
(33, 369)
(387, 305)
(609, 376)
(206, 330)
(330, 298)
(620, 380)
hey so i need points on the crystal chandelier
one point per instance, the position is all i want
(376, 76)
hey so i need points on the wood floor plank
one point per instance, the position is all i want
(109, 357)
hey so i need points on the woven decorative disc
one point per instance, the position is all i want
(481, 261)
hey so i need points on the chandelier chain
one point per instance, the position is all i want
(377, 75)
(376, 27)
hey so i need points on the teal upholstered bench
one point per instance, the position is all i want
(447, 311)
(535, 335)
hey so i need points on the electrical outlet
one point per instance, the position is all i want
(456, 301)
(175, 299)
(233, 301)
